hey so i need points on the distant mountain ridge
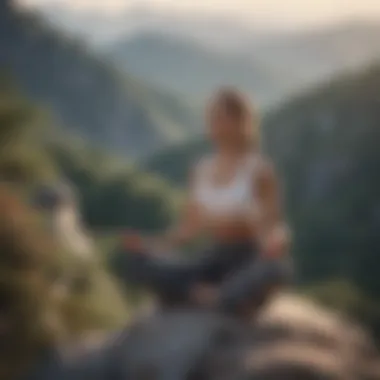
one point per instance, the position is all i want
(85, 94)
(191, 53)
(189, 69)
(100, 28)
(270, 70)
(316, 55)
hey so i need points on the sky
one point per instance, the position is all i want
(285, 12)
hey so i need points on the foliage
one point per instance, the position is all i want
(27, 307)
(21, 127)
(84, 93)
(324, 145)
(112, 193)
(46, 295)
(112, 196)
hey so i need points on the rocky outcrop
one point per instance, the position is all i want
(293, 339)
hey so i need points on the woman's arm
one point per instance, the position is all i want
(273, 232)
(187, 228)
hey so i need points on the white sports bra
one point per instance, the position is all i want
(236, 199)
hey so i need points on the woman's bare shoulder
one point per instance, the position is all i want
(264, 167)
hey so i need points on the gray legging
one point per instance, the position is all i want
(236, 268)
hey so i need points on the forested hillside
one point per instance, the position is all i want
(40, 277)
(34, 267)
(113, 193)
(325, 147)
(86, 95)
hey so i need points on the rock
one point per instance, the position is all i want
(292, 339)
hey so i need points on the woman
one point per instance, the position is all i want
(233, 199)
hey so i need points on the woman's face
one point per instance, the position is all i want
(222, 128)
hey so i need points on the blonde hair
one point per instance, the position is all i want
(238, 107)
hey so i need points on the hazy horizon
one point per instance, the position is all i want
(289, 14)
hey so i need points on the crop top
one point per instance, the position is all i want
(235, 199)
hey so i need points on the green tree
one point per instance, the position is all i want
(21, 128)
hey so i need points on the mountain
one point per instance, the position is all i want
(93, 99)
(191, 69)
(325, 146)
(191, 54)
(100, 28)
(269, 69)
(112, 192)
(315, 55)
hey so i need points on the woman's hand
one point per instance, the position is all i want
(277, 242)
(204, 294)
(133, 241)
(136, 243)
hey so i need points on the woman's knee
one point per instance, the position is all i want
(258, 279)
(276, 271)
